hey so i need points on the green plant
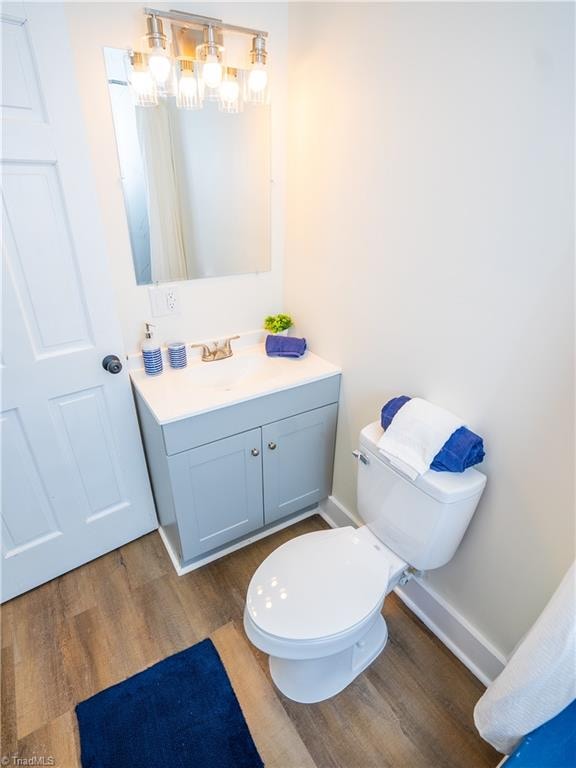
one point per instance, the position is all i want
(277, 323)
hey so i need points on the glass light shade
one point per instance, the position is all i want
(230, 94)
(160, 66)
(189, 95)
(229, 90)
(257, 84)
(143, 88)
(258, 78)
(212, 71)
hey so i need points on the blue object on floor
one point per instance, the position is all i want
(182, 713)
(463, 448)
(285, 346)
(552, 745)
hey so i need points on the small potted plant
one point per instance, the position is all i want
(278, 324)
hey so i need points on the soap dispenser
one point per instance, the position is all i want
(151, 353)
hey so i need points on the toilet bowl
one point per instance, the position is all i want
(314, 604)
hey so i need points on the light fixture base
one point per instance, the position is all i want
(156, 37)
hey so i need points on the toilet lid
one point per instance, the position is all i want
(321, 583)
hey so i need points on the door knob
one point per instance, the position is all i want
(255, 452)
(272, 445)
(112, 364)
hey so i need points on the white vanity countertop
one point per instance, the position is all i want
(202, 387)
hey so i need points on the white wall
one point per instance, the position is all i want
(211, 307)
(429, 252)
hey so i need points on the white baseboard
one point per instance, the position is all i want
(336, 514)
(449, 626)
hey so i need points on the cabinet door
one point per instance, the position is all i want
(218, 492)
(298, 461)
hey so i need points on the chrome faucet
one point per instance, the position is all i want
(218, 350)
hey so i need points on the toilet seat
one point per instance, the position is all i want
(321, 585)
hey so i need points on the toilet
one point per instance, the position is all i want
(314, 605)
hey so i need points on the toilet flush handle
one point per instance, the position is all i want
(361, 456)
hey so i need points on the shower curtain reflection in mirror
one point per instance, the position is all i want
(168, 256)
(196, 184)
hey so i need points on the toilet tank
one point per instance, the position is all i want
(423, 521)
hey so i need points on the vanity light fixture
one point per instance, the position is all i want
(210, 54)
(159, 62)
(204, 75)
(141, 81)
(258, 76)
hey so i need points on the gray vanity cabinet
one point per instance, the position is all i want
(297, 458)
(223, 476)
(217, 492)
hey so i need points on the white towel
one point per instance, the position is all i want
(416, 434)
(539, 681)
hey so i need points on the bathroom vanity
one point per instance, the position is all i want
(237, 448)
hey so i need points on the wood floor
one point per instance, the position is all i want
(111, 618)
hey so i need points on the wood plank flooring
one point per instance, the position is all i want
(117, 615)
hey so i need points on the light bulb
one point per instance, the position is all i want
(229, 90)
(143, 88)
(258, 78)
(160, 66)
(212, 71)
(188, 86)
(188, 94)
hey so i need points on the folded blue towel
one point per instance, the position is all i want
(285, 346)
(391, 409)
(463, 448)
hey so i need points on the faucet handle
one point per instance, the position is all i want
(226, 343)
(206, 351)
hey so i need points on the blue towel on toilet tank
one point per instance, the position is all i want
(285, 346)
(463, 448)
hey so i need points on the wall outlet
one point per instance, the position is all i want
(164, 301)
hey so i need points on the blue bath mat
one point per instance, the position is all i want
(180, 713)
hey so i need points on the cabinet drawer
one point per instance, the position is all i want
(218, 492)
(298, 455)
(240, 417)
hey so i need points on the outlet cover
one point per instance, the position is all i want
(163, 301)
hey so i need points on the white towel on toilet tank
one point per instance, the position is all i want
(416, 434)
(538, 682)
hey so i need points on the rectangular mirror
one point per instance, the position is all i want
(196, 184)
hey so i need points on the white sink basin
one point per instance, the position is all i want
(233, 372)
(201, 387)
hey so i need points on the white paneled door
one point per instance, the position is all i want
(74, 481)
